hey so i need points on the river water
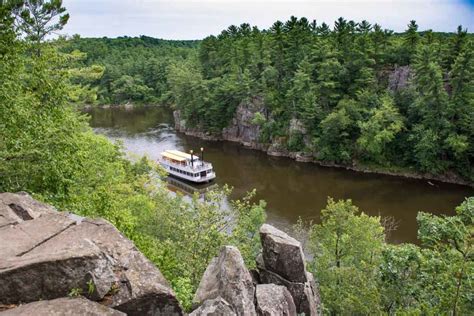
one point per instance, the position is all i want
(291, 189)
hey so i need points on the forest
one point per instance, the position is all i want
(48, 149)
(336, 82)
(123, 70)
(340, 83)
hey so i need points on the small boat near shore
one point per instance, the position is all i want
(189, 167)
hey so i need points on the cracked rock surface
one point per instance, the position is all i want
(282, 262)
(63, 306)
(46, 254)
(228, 278)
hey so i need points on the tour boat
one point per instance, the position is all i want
(187, 166)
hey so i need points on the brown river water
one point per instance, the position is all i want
(291, 189)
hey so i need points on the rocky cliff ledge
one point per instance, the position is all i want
(243, 130)
(46, 256)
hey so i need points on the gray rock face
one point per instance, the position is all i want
(46, 254)
(63, 306)
(241, 129)
(179, 122)
(399, 78)
(305, 295)
(274, 300)
(17, 208)
(227, 277)
(282, 263)
(282, 254)
(214, 307)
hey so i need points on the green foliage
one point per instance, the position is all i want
(347, 249)
(309, 72)
(48, 150)
(90, 287)
(186, 234)
(337, 129)
(258, 119)
(359, 273)
(133, 70)
(38, 18)
(380, 130)
(75, 292)
(449, 241)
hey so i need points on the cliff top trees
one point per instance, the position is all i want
(304, 70)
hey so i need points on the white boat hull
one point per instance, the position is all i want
(198, 176)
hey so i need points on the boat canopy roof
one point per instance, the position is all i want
(172, 156)
(178, 155)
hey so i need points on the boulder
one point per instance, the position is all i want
(274, 300)
(282, 262)
(214, 307)
(282, 254)
(47, 254)
(63, 306)
(227, 277)
(305, 295)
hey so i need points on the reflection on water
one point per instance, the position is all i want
(291, 189)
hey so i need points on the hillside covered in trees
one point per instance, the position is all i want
(122, 70)
(335, 81)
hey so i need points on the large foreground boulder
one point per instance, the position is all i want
(282, 262)
(273, 300)
(46, 254)
(282, 254)
(228, 278)
(64, 307)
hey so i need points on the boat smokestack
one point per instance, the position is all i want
(202, 156)
(192, 158)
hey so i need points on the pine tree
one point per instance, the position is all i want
(411, 40)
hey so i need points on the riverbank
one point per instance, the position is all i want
(291, 190)
(245, 133)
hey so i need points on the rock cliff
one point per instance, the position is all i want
(281, 286)
(241, 129)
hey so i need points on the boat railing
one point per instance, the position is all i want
(197, 165)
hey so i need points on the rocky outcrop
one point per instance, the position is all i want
(282, 254)
(228, 278)
(281, 286)
(399, 78)
(63, 306)
(274, 300)
(215, 307)
(242, 128)
(282, 262)
(48, 254)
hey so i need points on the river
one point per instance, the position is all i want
(291, 189)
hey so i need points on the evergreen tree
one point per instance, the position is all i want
(411, 40)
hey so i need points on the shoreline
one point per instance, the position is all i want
(305, 158)
(126, 106)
